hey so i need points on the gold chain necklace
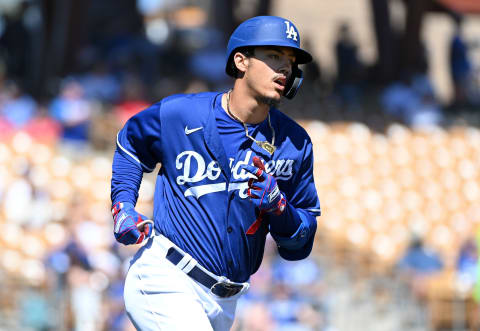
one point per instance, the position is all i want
(269, 147)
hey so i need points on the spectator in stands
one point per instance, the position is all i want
(287, 294)
(19, 194)
(284, 304)
(295, 298)
(132, 99)
(417, 264)
(99, 83)
(43, 128)
(73, 112)
(304, 275)
(313, 316)
(117, 317)
(5, 127)
(460, 65)
(18, 108)
(70, 254)
(412, 100)
(19, 111)
(349, 68)
(418, 259)
(467, 261)
(122, 42)
(15, 41)
(261, 281)
(85, 300)
(206, 63)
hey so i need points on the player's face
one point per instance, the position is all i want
(268, 71)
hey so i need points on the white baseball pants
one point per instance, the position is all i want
(159, 296)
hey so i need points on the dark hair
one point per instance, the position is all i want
(248, 51)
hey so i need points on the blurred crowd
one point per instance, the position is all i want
(61, 267)
(164, 47)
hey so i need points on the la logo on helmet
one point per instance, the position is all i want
(291, 33)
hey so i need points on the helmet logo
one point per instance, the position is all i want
(291, 33)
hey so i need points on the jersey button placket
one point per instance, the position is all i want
(229, 230)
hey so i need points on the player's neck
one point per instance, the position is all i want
(245, 107)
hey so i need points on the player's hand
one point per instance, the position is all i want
(263, 190)
(130, 227)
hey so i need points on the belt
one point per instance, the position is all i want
(221, 286)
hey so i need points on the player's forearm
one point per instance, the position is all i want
(126, 180)
(287, 223)
(293, 228)
(298, 253)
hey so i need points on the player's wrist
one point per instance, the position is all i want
(279, 206)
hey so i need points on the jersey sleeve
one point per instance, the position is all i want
(304, 195)
(303, 206)
(126, 179)
(139, 139)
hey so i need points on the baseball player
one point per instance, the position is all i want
(234, 168)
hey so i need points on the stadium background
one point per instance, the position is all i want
(392, 106)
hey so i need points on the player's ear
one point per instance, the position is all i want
(241, 62)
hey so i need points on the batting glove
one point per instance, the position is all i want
(263, 190)
(130, 227)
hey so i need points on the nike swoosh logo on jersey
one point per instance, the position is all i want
(188, 131)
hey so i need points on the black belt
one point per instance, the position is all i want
(219, 288)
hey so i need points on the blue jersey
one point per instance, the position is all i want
(201, 201)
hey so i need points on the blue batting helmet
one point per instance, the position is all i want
(266, 31)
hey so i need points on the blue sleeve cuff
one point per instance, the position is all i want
(297, 254)
(295, 241)
(299, 245)
(301, 224)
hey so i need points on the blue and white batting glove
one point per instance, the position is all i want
(130, 227)
(263, 190)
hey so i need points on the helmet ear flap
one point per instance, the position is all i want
(294, 82)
